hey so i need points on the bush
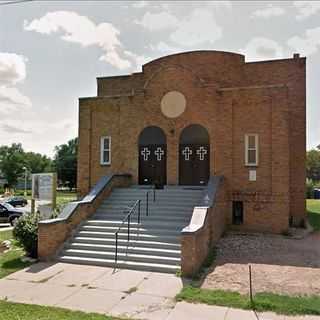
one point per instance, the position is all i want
(26, 233)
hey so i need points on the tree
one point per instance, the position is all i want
(65, 162)
(12, 162)
(313, 165)
(37, 163)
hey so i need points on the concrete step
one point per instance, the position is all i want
(172, 212)
(151, 219)
(124, 242)
(133, 229)
(146, 225)
(122, 256)
(157, 203)
(125, 249)
(154, 243)
(159, 197)
(133, 236)
(165, 190)
(154, 267)
(158, 207)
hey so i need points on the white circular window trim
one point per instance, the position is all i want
(173, 104)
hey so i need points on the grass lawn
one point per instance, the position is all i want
(11, 261)
(262, 301)
(313, 207)
(17, 311)
(65, 197)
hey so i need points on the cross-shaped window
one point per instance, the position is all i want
(159, 153)
(187, 152)
(202, 151)
(146, 153)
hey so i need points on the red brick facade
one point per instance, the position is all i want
(230, 98)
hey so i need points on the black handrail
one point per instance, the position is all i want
(147, 199)
(127, 218)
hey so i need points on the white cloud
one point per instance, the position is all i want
(269, 11)
(165, 48)
(197, 28)
(12, 71)
(219, 4)
(260, 48)
(12, 68)
(140, 60)
(80, 29)
(13, 129)
(158, 21)
(307, 45)
(306, 8)
(140, 4)
(12, 98)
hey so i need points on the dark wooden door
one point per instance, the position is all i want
(194, 164)
(153, 164)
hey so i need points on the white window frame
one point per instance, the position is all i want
(102, 150)
(256, 139)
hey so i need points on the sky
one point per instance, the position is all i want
(52, 51)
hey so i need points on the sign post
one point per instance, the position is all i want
(44, 186)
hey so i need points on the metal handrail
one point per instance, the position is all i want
(147, 199)
(127, 218)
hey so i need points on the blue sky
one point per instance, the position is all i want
(51, 52)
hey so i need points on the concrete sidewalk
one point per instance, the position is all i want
(123, 293)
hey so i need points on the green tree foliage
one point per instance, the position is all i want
(313, 165)
(38, 163)
(12, 162)
(65, 162)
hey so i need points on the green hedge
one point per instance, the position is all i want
(26, 233)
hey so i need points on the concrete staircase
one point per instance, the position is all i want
(154, 243)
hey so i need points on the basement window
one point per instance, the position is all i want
(237, 212)
(105, 150)
(251, 149)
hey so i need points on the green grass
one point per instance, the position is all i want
(280, 304)
(17, 311)
(313, 207)
(213, 297)
(5, 235)
(61, 196)
(11, 261)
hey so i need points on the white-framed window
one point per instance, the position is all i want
(105, 150)
(251, 149)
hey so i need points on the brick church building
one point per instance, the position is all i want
(222, 140)
(189, 116)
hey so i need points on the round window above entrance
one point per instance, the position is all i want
(173, 104)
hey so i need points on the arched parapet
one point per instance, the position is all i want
(161, 69)
(206, 67)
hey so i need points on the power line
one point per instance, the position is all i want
(14, 2)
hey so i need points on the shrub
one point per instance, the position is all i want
(26, 233)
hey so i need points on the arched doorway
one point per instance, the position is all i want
(152, 156)
(194, 156)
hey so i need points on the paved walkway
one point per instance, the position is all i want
(124, 293)
(5, 227)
